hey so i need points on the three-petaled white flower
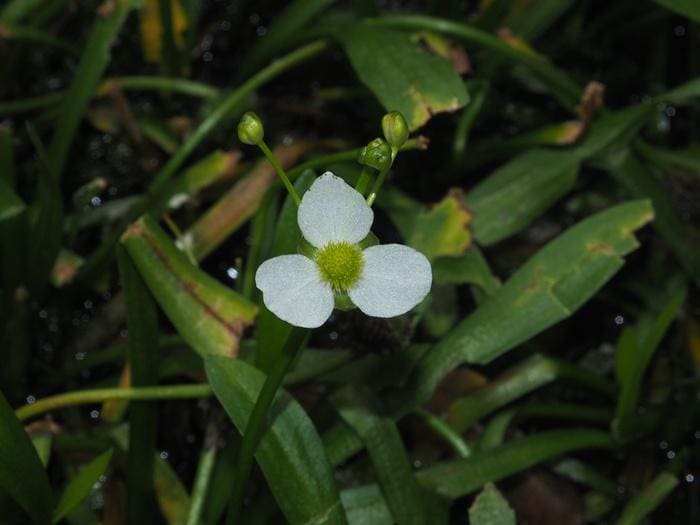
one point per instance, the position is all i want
(382, 280)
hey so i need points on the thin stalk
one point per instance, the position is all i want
(221, 113)
(135, 83)
(28, 104)
(280, 172)
(377, 185)
(363, 181)
(207, 460)
(157, 83)
(98, 395)
(256, 425)
(445, 431)
(30, 34)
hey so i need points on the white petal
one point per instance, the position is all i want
(293, 291)
(395, 278)
(333, 211)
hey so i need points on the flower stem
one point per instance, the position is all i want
(377, 186)
(364, 181)
(98, 395)
(258, 417)
(280, 171)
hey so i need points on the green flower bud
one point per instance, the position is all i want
(395, 129)
(250, 129)
(376, 154)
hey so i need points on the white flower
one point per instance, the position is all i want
(382, 280)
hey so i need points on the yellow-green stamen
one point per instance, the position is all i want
(340, 264)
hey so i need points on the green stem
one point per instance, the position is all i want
(377, 186)
(202, 478)
(363, 181)
(169, 84)
(99, 395)
(221, 113)
(280, 172)
(32, 35)
(258, 418)
(445, 431)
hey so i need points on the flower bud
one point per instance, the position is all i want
(395, 129)
(250, 129)
(376, 154)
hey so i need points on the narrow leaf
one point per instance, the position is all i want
(408, 503)
(456, 478)
(209, 316)
(519, 192)
(290, 453)
(86, 78)
(548, 288)
(648, 499)
(80, 486)
(142, 324)
(22, 475)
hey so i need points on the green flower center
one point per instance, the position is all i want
(340, 264)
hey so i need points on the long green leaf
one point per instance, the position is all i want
(403, 77)
(519, 192)
(290, 453)
(209, 316)
(456, 478)
(142, 323)
(526, 377)
(406, 499)
(22, 475)
(648, 499)
(80, 486)
(548, 288)
(86, 78)
(635, 349)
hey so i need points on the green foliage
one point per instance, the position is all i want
(290, 453)
(556, 353)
